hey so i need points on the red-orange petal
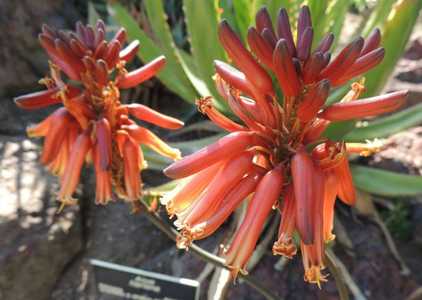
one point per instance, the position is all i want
(149, 115)
(285, 245)
(101, 72)
(260, 47)
(372, 42)
(346, 189)
(243, 59)
(120, 36)
(330, 193)
(40, 129)
(315, 131)
(129, 52)
(285, 70)
(101, 50)
(284, 30)
(80, 110)
(233, 171)
(121, 136)
(72, 173)
(317, 215)
(132, 178)
(233, 77)
(230, 145)
(368, 107)
(312, 67)
(206, 107)
(146, 137)
(38, 99)
(233, 199)
(56, 134)
(234, 101)
(313, 101)
(302, 168)
(69, 57)
(244, 242)
(102, 179)
(59, 163)
(111, 54)
(343, 61)
(188, 190)
(142, 74)
(263, 21)
(103, 136)
(361, 65)
(48, 44)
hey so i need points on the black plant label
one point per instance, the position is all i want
(115, 282)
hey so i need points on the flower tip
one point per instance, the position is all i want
(314, 275)
(45, 28)
(376, 35)
(282, 11)
(404, 93)
(286, 249)
(159, 63)
(168, 171)
(217, 63)
(18, 102)
(180, 124)
(358, 42)
(41, 37)
(262, 10)
(325, 83)
(356, 45)
(30, 132)
(120, 35)
(251, 30)
(379, 52)
(184, 240)
(282, 45)
(398, 95)
(142, 74)
(226, 33)
(177, 154)
(100, 24)
(128, 53)
(224, 24)
(161, 59)
(305, 8)
(38, 100)
(224, 29)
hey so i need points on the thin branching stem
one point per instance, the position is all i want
(336, 271)
(205, 255)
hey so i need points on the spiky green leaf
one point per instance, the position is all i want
(386, 183)
(386, 126)
(172, 75)
(202, 18)
(395, 34)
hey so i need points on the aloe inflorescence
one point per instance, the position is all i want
(87, 73)
(275, 155)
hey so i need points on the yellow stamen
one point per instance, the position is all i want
(314, 275)
(365, 149)
(358, 88)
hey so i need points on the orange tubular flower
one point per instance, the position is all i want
(93, 125)
(276, 156)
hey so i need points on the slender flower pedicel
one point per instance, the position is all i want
(277, 156)
(93, 125)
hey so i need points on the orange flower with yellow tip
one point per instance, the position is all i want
(276, 156)
(93, 125)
